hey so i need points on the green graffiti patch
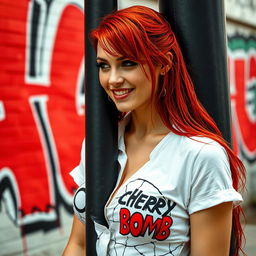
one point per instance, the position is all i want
(240, 42)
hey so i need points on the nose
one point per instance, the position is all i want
(115, 78)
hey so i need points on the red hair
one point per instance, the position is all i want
(142, 34)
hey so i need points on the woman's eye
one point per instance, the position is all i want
(129, 63)
(102, 65)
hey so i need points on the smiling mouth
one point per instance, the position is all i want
(121, 93)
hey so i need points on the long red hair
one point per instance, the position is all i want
(142, 34)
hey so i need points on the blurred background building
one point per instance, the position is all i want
(42, 115)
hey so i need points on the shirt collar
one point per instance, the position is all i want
(121, 130)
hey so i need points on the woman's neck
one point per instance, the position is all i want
(144, 123)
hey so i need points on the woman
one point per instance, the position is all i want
(177, 187)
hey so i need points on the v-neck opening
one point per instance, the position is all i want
(117, 191)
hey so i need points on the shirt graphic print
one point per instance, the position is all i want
(142, 216)
(149, 213)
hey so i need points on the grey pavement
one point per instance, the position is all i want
(250, 235)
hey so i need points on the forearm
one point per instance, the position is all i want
(73, 249)
(77, 240)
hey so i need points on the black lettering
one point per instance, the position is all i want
(133, 197)
(160, 204)
(120, 200)
(170, 205)
(151, 201)
(141, 199)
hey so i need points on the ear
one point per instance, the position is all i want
(165, 69)
(170, 58)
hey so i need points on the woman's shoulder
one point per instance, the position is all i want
(205, 145)
(197, 147)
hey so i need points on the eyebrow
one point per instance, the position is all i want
(102, 59)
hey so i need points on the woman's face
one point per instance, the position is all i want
(125, 81)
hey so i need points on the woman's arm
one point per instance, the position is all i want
(77, 239)
(211, 231)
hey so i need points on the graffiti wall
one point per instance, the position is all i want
(42, 115)
(242, 71)
(241, 30)
(41, 120)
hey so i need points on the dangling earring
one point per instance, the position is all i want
(164, 92)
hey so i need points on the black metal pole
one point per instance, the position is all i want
(199, 26)
(101, 131)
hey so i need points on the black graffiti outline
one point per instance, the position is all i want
(38, 56)
(40, 110)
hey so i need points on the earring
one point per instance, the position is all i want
(165, 70)
(164, 93)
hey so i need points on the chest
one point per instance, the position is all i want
(147, 207)
(138, 154)
(150, 206)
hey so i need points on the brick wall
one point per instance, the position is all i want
(41, 122)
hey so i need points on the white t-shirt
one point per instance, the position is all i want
(149, 214)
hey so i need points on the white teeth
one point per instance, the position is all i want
(121, 92)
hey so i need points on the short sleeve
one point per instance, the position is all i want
(78, 173)
(211, 181)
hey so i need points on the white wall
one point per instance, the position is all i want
(242, 10)
(150, 3)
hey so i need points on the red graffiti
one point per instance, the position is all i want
(41, 119)
(243, 93)
(137, 225)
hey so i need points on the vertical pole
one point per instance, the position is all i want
(199, 26)
(101, 131)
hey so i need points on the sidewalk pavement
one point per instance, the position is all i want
(250, 235)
